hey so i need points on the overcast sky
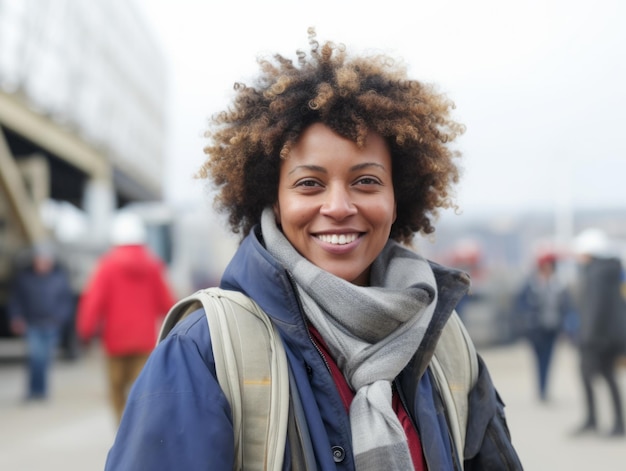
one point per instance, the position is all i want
(538, 83)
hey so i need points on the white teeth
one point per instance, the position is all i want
(340, 239)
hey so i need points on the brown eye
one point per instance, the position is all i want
(368, 181)
(308, 183)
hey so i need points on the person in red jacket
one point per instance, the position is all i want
(124, 302)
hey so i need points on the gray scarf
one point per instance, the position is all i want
(372, 333)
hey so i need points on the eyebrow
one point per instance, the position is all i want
(317, 168)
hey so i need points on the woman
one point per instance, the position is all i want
(324, 167)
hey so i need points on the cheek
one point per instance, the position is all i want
(290, 215)
(294, 207)
(386, 212)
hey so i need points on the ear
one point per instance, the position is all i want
(276, 209)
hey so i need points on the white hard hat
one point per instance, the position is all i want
(128, 229)
(594, 242)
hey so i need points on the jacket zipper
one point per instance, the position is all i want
(305, 320)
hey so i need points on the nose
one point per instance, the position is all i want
(338, 203)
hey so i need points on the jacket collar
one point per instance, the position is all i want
(256, 273)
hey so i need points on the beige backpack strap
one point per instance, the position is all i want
(252, 370)
(455, 368)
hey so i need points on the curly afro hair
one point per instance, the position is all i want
(352, 96)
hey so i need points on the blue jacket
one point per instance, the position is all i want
(178, 418)
(42, 300)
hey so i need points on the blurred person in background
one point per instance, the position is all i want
(125, 301)
(602, 332)
(40, 303)
(541, 308)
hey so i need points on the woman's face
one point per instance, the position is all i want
(336, 201)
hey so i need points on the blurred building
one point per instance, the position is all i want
(82, 122)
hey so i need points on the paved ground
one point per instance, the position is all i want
(71, 432)
(75, 429)
(542, 432)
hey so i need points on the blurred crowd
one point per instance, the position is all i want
(123, 304)
(589, 311)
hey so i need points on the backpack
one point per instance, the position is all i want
(257, 386)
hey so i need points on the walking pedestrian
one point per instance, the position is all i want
(40, 302)
(124, 302)
(602, 331)
(541, 308)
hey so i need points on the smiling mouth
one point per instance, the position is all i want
(338, 239)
